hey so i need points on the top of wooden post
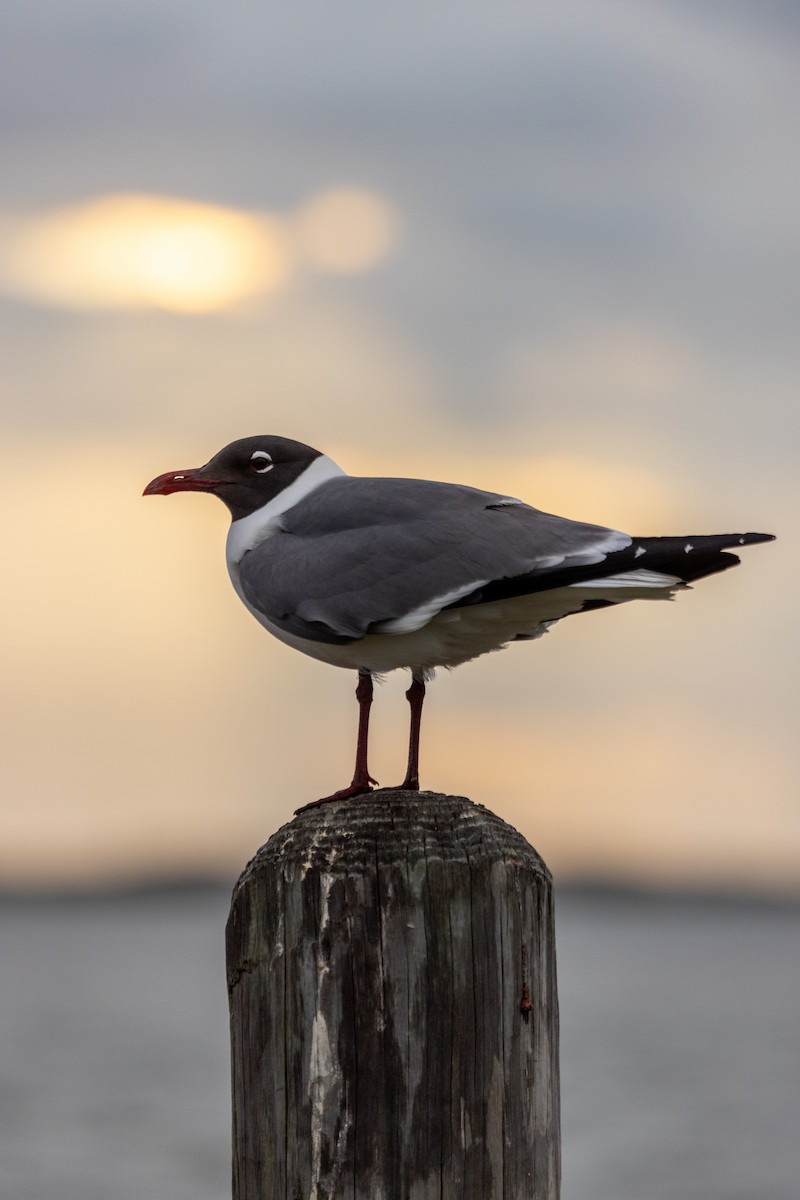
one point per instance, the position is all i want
(383, 825)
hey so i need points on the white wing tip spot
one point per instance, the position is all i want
(688, 547)
(640, 550)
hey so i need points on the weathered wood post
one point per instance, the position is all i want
(394, 1016)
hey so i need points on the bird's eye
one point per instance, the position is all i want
(261, 462)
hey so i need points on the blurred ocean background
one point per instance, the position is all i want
(679, 1037)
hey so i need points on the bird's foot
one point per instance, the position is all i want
(408, 785)
(359, 787)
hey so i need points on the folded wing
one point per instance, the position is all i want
(361, 556)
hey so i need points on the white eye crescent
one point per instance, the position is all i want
(261, 462)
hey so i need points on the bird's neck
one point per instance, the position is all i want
(247, 532)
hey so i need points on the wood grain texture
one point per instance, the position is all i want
(378, 951)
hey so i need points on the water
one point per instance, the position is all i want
(680, 1049)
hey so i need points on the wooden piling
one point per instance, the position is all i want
(394, 1015)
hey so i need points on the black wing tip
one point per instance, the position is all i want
(750, 539)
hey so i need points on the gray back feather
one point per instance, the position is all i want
(359, 552)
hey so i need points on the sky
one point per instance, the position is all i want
(551, 250)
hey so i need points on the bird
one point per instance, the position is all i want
(380, 574)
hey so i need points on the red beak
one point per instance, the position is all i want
(180, 481)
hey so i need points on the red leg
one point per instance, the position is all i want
(415, 696)
(361, 776)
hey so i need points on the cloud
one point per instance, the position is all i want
(593, 307)
(135, 251)
(345, 230)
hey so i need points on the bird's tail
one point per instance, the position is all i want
(691, 557)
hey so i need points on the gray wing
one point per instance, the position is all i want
(361, 556)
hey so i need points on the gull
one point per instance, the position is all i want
(379, 574)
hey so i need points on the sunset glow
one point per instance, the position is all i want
(143, 251)
(131, 251)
